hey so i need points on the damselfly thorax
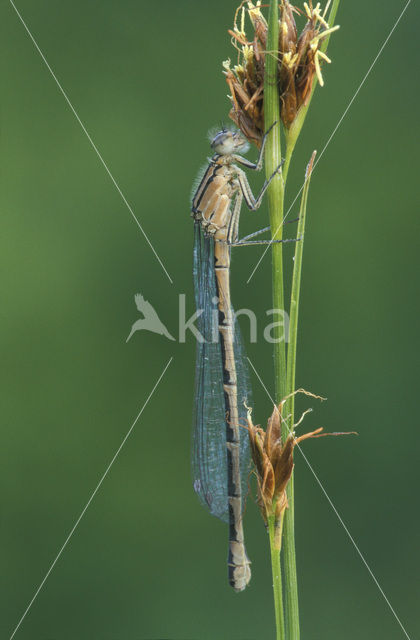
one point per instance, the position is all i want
(212, 202)
(225, 182)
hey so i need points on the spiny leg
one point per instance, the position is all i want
(252, 202)
(258, 233)
(233, 231)
(240, 243)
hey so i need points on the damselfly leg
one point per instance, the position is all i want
(260, 231)
(241, 243)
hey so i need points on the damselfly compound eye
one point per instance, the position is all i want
(223, 143)
(226, 142)
(241, 143)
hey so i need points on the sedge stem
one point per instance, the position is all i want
(275, 194)
(274, 532)
(276, 206)
(289, 553)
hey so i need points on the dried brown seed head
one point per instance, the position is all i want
(299, 61)
(273, 459)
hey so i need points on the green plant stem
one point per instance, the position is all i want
(290, 572)
(289, 553)
(295, 294)
(276, 206)
(275, 193)
(284, 373)
(275, 548)
(290, 145)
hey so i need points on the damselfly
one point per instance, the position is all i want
(220, 457)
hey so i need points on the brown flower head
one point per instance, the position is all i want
(299, 61)
(246, 79)
(273, 458)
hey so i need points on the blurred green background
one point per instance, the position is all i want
(146, 561)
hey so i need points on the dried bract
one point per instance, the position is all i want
(273, 459)
(246, 78)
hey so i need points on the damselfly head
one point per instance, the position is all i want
(226, 142)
